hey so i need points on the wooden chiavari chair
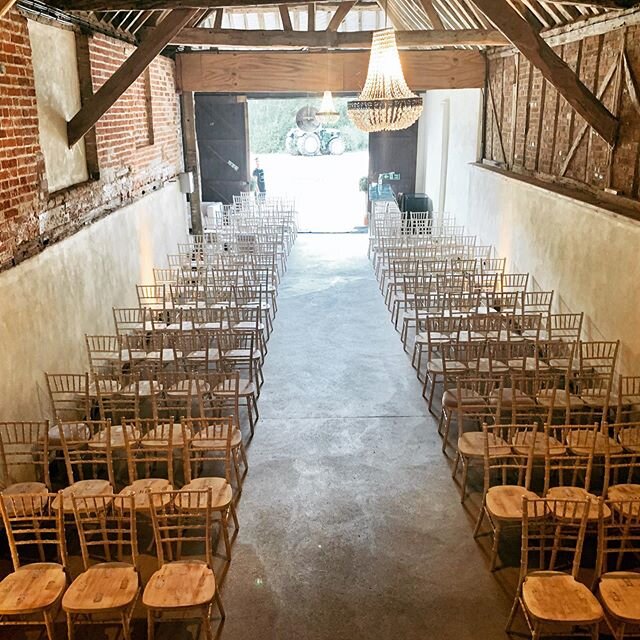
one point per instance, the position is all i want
(183, 527)
(628, 399)
(547, 597)
(31, 594)
(105, 593)
(24, 456)
(512, 467)
(69, 395)
(132, 320)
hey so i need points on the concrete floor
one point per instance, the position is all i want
(351, 526)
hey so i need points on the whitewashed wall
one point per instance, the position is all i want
(50, 301)
(587, 255)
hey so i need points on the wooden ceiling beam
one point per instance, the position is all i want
(432, 14)
(101, 101)
(340, 15)
(5, 6)
(217, 23)
(141, 5)
(285, 16)
(601, 4)
(553, 68)
(270, 38)
(311, 16)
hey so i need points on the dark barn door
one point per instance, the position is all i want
(223, 146)
(395, 151)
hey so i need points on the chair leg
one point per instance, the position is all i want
(223, 615)
(70, 627)
(151, 625)
(494, 549)
(224, 524)
(465, 474)
(48, 623)
(476, 529)
(126, 628)
(512, 614)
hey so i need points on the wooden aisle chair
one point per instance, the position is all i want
(617, 576)
(475, 399)
(211, 441)
(184, 585)
(104, 593)
(24, 456)
(550, 599)
(106, 354)
(507, 479)
(537, 302)
(437, 330)
(455, 358)
(514, 282)
(31, 594)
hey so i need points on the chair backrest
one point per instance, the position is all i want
(479, 398)
(24, 452)
(565, 326)
(618, 535)
(543, 541)
(118, 399)
(131, 319)
(220, 395)
(178, 395)
(510, 465)
(537, 302)
(69, 395)
(87, 449)
(622, 453)
(514, 281)
(106, 526)
(150, 442)
(628, 394)
(598, 358)
(31, 521)
(569, 454)
(105, 354)
(183, 525)
(152, 296)
(207, 441)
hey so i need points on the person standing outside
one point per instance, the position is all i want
(258, 174)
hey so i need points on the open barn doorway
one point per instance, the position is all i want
(322, 166)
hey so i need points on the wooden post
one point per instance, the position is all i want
(5, 6)
(191, 158)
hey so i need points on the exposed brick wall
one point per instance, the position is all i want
(546, 127)
(129, 166)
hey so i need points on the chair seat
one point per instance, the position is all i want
(553, 596)
(71, 431)
(205, 439)
(436, 365)
(625, 492)
(560, 399)
(180, 585)
(80, 489)
(522, 442)
(159, 436)
(508, 396)
(630, 439)
(25, 489)
(32, 588)
(221, 491)
(104, 386)
(580, 441)
(204, 356)
(576, 494)
(239, 354)
(142, 489)
(620, 594)
(471, 445)
(146, 388)
(486, 365)
(99, 441)
(469, 398)
(104, 587)
(504, 502)
(248, 326)
(188, 387)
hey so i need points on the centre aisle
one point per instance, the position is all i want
(350, 525)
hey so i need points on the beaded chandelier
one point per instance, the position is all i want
(386, 102)
(327, 113)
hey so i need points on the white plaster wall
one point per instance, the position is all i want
(50, 301)
(57, 85)
(587, 255)
(460, 136)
